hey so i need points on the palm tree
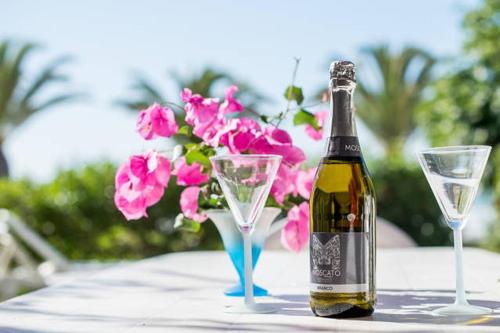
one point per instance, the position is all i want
(19, 98)
(388, 107)
(202, 83)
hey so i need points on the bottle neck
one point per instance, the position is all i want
(343, 141)
(343, 123)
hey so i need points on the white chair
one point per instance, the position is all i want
(20, 271)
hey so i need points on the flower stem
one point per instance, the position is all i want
(283, 115)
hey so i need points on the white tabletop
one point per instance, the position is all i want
(182, 292)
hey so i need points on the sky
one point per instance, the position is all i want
(111, 41)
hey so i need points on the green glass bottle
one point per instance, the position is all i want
(342, 214)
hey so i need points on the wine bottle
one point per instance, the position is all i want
(342, 214)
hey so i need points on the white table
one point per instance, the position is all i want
(183, 293)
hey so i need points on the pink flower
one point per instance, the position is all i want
(189, 204)
(199, 109)
(239, 134)
(278, 135)
(156, 121)
(210, 131)
(279, 142)
(304, 182)
(127, 199)
(203, 114)
(140, 182)
(321, 118)
(150, 168)
(230, 104)
(133, 207)
(295, 234)
(284, 183)
(189, 174)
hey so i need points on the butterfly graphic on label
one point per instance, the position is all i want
(326, 254)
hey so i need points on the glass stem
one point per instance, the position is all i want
(247, 251)
(459, 268)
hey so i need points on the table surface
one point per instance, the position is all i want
(182, 292)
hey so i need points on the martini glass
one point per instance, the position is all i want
(246, 181)
(454, 174)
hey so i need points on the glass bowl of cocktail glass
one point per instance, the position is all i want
(246, 181)
(454, 174)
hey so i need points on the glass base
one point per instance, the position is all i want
(250, 308)
(238, 290)
(462, 310)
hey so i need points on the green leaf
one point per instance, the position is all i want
(183, 223)
(303, 117)
(197, 156)
(293, 93)
(264, 118)
(185, 130)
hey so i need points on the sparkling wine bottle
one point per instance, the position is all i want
(342, 214)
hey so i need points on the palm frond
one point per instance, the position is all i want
(389, 109)
(55, 100)
(10, 71)
(148, 90)
(4, 46)
(48, 74)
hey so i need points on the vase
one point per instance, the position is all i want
(233, 244)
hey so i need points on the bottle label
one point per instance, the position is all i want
(339, 262)
(344, 146)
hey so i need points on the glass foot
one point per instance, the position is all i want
(250, 308)
(239, 291)
(462, 310)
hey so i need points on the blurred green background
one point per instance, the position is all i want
(409, 97)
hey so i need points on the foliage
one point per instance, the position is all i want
(389, 110)
(466, 105)
(76, 214)
(19, 99)
(416, 211)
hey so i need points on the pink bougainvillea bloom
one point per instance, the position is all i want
(203, 114)
(188, 175)
(278, 135)
(150, 168)
(295, 234)
(277, 141)
(210, 131)
(199, 109)
(132, 207)
(284, 183)
(140, 183)
(159, 167)
(144, 125)
(128, 199)
(231, 104)
(304, 182)
(239, 134)
(156, 121)
(122, 175)
(189, 204)
(321, 118)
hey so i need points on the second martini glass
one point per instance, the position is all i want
(246, 181)
(454, 174)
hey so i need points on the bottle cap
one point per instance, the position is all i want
(343, 70)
